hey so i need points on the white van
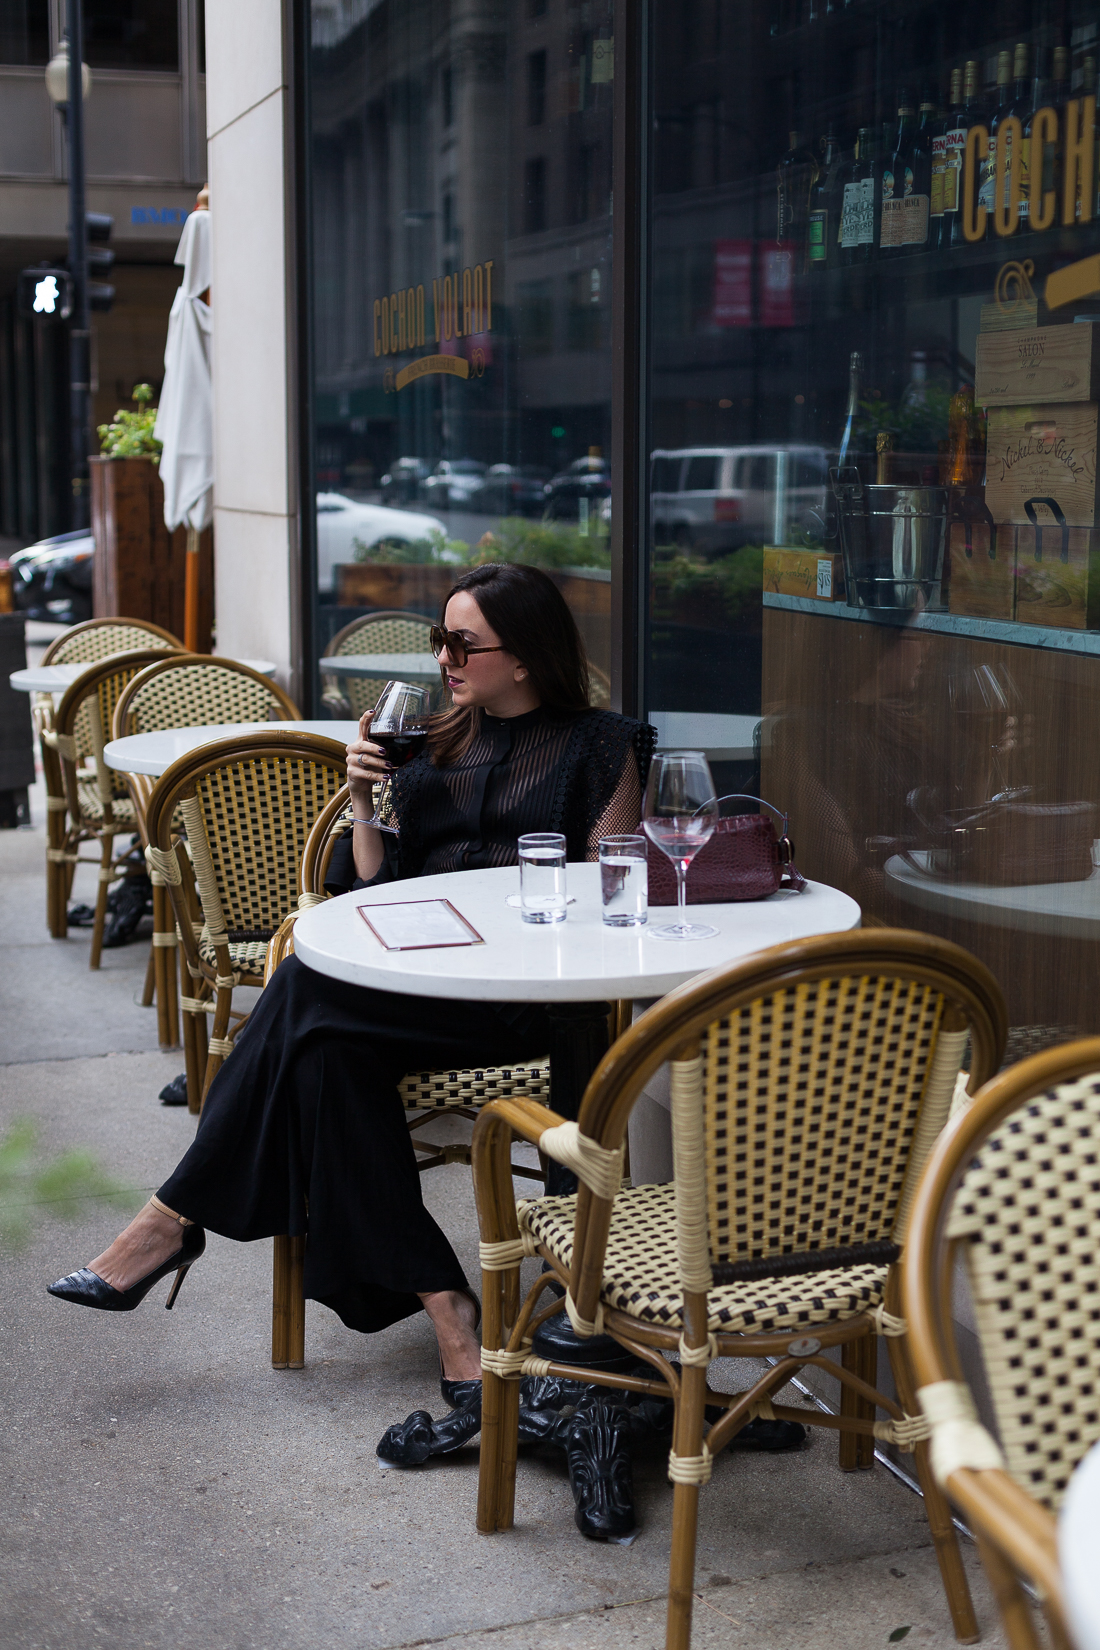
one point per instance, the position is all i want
(715, 499)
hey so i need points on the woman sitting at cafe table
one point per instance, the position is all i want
(306, 1114)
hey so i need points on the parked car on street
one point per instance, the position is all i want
(52, 580)
(514, 490)
(343, 525)
(454, 484)
(578, 492)
(715, 499)
(401, 482)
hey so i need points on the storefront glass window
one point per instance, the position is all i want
(872, 416)
(461, 235)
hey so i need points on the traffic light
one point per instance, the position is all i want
(45, 294)
(101, 294)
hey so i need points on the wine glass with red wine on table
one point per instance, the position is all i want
(400, 726)
(680, 813)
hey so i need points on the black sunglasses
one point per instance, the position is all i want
(456, 645)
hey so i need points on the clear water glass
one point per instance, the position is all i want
(679, 817)
(624, 881)
(542, 877)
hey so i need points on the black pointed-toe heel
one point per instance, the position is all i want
(86, 1288)
(460, 1394)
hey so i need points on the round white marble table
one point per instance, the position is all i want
(1079, 1550)
(396, 667)
(1067, 909)
(579, 960)
(58, 678)
(154, 753)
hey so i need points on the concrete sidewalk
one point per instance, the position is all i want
(165, 1487)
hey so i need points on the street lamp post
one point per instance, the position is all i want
(69, 92)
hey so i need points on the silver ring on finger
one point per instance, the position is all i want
(362, 760)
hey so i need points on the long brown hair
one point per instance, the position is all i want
(528, 613)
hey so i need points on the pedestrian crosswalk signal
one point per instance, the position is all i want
(46, 294)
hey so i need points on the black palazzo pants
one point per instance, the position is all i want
(306, 1116)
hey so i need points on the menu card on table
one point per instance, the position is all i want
(418, 925)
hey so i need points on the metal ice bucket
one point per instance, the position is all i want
(892, 539)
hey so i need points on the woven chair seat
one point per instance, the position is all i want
(439, 1089)
(642, 1272)
(91, 808)
(247, 956)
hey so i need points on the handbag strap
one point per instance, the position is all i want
(743, 796)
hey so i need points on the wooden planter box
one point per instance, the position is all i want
(140, 566)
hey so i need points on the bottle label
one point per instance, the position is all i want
(819, 235)
(939, 164)
(954, 148)
(850, 215)
(987, 177)
(1023, 190)
(866, 231)
(905, 221)
(887, 183)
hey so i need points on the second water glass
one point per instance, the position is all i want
(542, 877)
(624, 881)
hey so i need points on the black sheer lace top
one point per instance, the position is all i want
(583, 775)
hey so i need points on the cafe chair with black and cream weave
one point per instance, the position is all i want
(247, 803)
(1012, 1191)
(180, 691)
(809, 1083)
(427, 1096)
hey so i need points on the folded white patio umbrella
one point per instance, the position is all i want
(185, 415)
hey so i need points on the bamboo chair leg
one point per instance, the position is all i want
(171, 986)
(1015, 1611)
(202, 1054)
(937, 1511)
(149, 993)
(687, 1440)
(288, 1305)
(105, 868)
(223, 998)
(492, 1515)
(857, 1450)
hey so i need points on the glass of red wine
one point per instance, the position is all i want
(400, 726)
(681, 811)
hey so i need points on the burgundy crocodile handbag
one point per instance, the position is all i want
(745, 859)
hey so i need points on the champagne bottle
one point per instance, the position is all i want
(822, 230)
(987, 177)
(937, 203)
(855, 375)
(971, 115)
(965, 441)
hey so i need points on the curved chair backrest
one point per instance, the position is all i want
(248, 803)
(195, 689)
(809, 1083)
(328, 828)
(85, 717)
(387, 631)
(599, 687)
(99, 638)
(1014, 1189)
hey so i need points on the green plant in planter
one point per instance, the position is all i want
(545, 543)
(130, 434)
(711, 593)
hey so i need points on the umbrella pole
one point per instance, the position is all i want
(191, 593)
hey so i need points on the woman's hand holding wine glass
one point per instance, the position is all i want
(681, 812)
(390, 735)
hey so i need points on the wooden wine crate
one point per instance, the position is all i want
(1043, 453)
(1057, 574)
(810, 573)
(981, 569)
(1050, 364)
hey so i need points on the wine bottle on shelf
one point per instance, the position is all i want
(796, 175)
(822, 229)
(857, 230)
(987, 196)
(906, 182)
(1041, 133)
(971, 114)
(937, 196)
(855, 377)
(965, 441)
(1020, 109)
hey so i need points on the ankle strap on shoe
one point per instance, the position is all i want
(181, 1220)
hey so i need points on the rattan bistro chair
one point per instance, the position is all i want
(247, 804)
(808, 1084)
(99, 638)
(426, 1095)
(94, 802)
(1013, 1189)
(387, 631)
(186, 690)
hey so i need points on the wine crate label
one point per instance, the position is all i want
(1051, 364)
(904, 221)
(982, 570)
(803, 573)
(1057, 575)
(1042, 455)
